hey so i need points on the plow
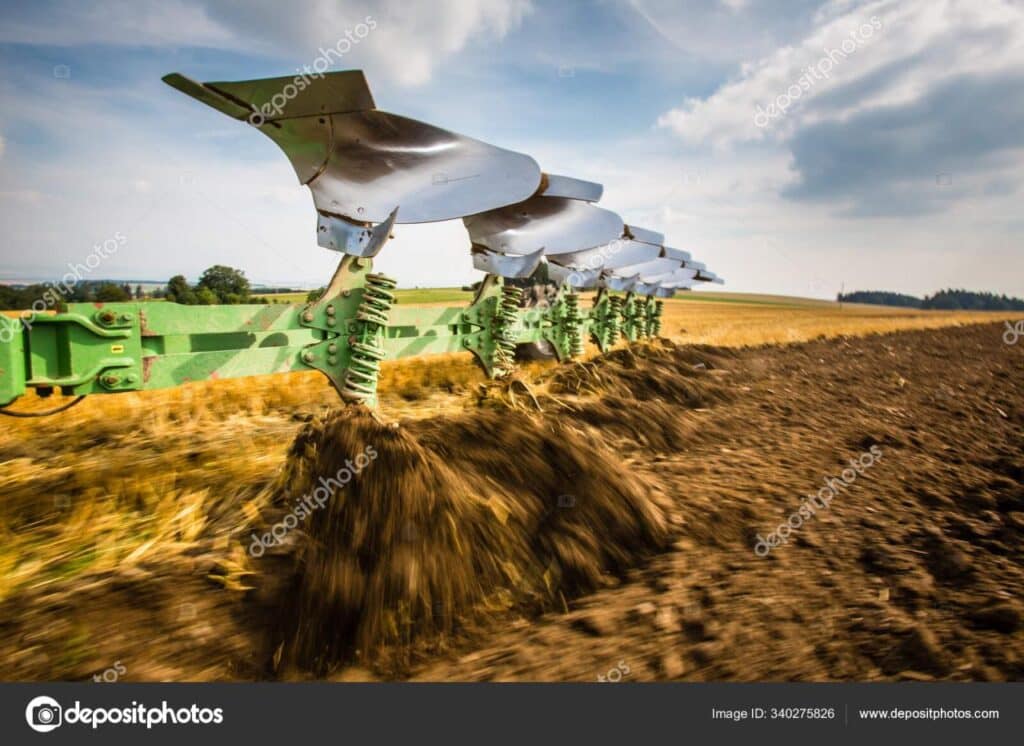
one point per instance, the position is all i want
(540, 239)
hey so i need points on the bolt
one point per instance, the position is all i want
(465, 343)
(332, 322)
(110, 380)
(307, 357)
(107, 317)
(330, 310)
(125, 318)
(346, 293)
(332, 360)
(332, 348)
(130, 378)
(307, 316)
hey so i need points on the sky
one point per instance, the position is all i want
(796, 147)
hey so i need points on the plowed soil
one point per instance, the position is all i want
(912, 569)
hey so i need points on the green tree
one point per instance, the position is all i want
(178, 291)
(109, 292)
(314, 295)
(229, 285)
(82, 291)
(10, 299)
(206, 297)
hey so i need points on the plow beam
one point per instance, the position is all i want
(89, 348)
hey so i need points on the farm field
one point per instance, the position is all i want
(139, 507)
(403, 295)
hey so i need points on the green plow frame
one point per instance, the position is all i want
(96, 348)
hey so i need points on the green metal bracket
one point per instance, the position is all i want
(632, 326)
(350, 317)
(566, 325)
(654, 309)
(85, 349)
(489, 328)
(12, 360)
(605, 320)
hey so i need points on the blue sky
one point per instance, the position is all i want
(899, 170)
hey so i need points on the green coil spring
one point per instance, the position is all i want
(614, 314)
(377, 300)
(630, 313)
(654, 322)
(642, 317)
(363, 371)
(573, 321)
(505, 333)
(628, 327)
(367, 350)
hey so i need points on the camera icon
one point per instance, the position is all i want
(44, 714)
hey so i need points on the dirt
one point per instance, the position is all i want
(431, 529)
(914, 571)
(911, 569)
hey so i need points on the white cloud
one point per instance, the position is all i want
(410, 39)
(921, 44)
(127, 22)
(727, 31)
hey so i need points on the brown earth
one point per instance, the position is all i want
(914, 569)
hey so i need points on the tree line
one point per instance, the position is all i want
(944, 300)
(85, 291)
(217, 285)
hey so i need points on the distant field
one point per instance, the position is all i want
(737, 319)
(457, 295)
(713, 296)
(410, 295)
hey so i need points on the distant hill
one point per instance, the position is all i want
(945, 300)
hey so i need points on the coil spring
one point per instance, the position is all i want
(377, 300)
(630, 327)
(505, 337)
(654, 325)
(367, 352)
(573, 320)
(644, 317)
(363, 371)
(614, 314)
